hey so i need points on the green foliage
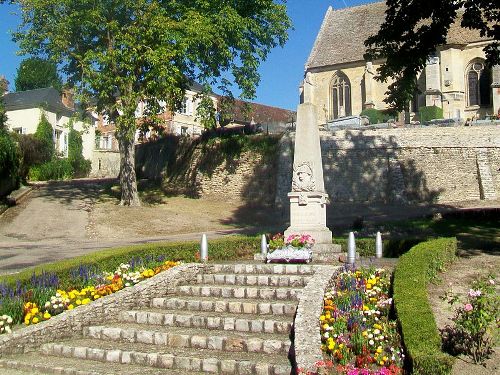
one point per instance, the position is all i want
(418, 326)
(56, 169)
(224, 249)
(391, 248)
(413, 30)
(430, 113)
(44, 134)
(152, 49)
(376, 116)
(36, 73)
(81, 167)
(205, 112)
(9, 163)
(3, 115)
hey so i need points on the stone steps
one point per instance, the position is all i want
(275, 269)
(253, 280)
(34, 364)
(189, 360)
(226, 305)
(214, 321)
(191, 338)
(268, 293)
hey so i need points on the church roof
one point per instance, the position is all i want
(343, 32)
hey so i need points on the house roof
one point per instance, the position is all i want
(343, 32)
(49, 98)
(261, 113)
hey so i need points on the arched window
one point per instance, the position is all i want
(478, 78)
(340, 91)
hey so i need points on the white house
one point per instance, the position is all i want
(24, 110)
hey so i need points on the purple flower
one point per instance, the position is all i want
(468, 307)
(474, 293)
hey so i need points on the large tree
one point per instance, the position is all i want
(123, 51)
(414, 29)
(37, 73)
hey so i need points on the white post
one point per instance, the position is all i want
(351, 249)
(204, 248)
(263, 245)
(378, 246)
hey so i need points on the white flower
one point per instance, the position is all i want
(371, 342)
(376, 331)
(370, 336)
(9, 320)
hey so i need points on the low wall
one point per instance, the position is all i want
(105, 163)
(106, 309)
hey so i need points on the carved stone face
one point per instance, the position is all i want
(303, 179)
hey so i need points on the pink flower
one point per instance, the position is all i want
(474, 293)
(491, 281)
(468, 307)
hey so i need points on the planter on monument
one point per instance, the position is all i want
(308, 198)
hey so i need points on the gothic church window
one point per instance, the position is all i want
(340, 92)
(478, 80)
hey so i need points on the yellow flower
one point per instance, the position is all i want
(381, 363)
(71, 307)
(96, 296)
(46, 315)
(34, 310)
(379, 349)
(377, 326)
(364, 333)
(35, 320)
(85, 301)
(385, 358)
(78, 302)
(321, 318)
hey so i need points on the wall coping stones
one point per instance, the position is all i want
(307, 329)
(70, 323)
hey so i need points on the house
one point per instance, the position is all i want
(24, 110)
(341, 83)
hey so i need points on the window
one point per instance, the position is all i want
(18, 130)
(186, 107)
(184, 130)
(478, 80)
(340, 101)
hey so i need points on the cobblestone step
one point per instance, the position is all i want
(265, 293)
(253, 280)
(188, 360)
(213, 321)
(234, 306)
(275, 269)
(191, 338)
(35, 364)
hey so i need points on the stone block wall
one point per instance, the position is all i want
(428, 164)
(105, 163)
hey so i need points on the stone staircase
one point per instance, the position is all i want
(237, 319)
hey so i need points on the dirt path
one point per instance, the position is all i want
(459, 277)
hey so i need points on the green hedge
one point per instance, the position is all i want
(391, 248)
(377, 116)
(430, 113)
(224, 249)
(56, 169)
(413, 272)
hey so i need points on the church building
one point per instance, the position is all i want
(341, 83)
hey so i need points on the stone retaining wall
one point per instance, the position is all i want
(105, 163)
(106, 309)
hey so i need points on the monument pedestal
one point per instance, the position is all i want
(308, 216)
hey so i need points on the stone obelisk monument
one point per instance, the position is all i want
(308, 198)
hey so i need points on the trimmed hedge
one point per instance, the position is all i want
(56, 169)
(224, 249)
(391, 248)
(413, 272)
(430, 113)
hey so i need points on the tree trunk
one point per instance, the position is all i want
(128, 181)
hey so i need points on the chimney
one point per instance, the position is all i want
(67, 98)
(4, 86)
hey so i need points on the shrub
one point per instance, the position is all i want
(57, 169)
(44, 134)
(9, 163)
(413, 272)
(377, 116)
(430, 113)
(81, 167)
(31, 152)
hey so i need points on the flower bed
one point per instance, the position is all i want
(43, 299)
(357, 335)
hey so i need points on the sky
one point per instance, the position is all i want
(281, 73)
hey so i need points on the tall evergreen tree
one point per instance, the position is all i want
(35, 73)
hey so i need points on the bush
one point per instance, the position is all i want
(9, 163)
(391, 248)
(413, 272)
(31, 152)
(81, 167)
(377, 116)
(57, 169)
(430, 113)
(44, 134)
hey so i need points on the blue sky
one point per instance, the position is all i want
(281, 73)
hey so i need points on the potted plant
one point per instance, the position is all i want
(295, 248)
